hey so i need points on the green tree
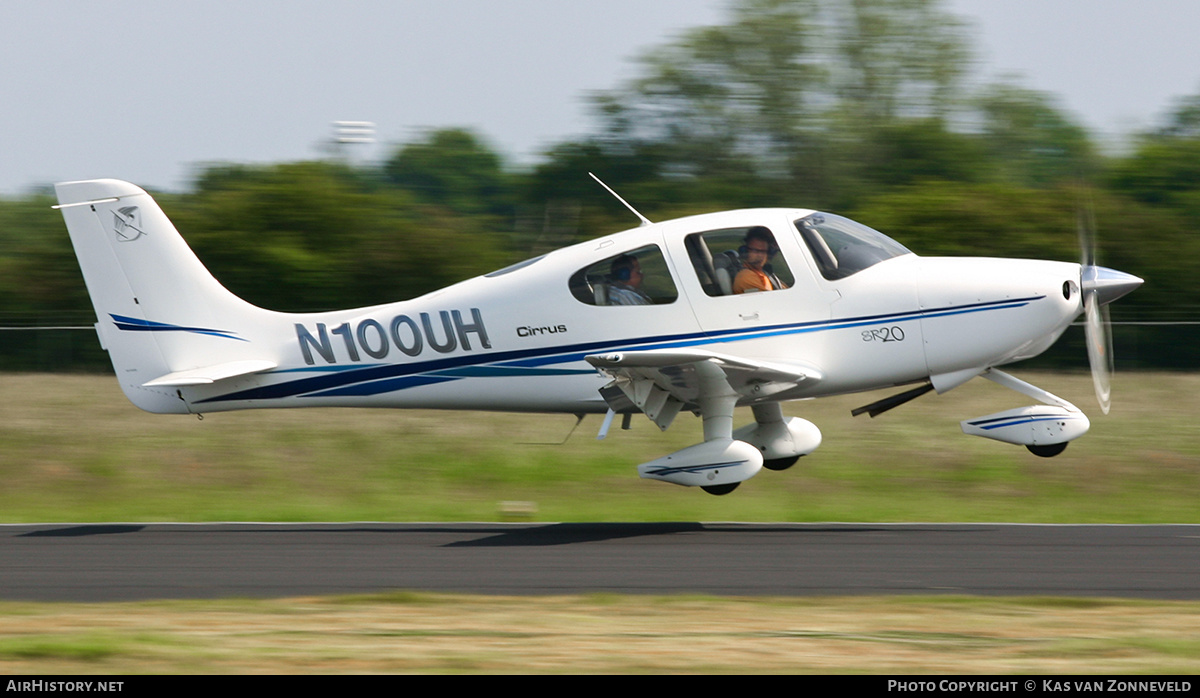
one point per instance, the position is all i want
(41, 286)
(1030, 141)
(1164, 169)
(903, 152)
(455, 169)
(307, 236)
(1184, 119)
(1160, 185)
(896, 59)
(782, 99)
(39, 277)
(728, 101)
(977, 220)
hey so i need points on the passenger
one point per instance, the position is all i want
(626, 287)
(759, 245)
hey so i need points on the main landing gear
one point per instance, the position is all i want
(780, 463)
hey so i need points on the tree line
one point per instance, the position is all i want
(868, 108)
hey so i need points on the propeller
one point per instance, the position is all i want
(1099, 286)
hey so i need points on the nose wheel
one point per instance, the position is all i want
(1047, 450)
(720, 489)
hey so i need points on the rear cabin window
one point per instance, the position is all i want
(719, 256)
(637, 277)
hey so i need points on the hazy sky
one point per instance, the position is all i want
(148, 90)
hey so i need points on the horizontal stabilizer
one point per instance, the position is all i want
(212, 374)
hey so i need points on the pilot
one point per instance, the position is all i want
(755, 275)
(626, 287)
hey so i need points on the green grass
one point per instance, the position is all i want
(439, 633)
(73, 449)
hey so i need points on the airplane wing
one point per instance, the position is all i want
(211, 374)
(661, 382)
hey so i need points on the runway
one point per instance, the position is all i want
(119, 562)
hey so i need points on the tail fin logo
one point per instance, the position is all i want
(127, 224)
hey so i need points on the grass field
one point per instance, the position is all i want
(72, 449)
(424, 633)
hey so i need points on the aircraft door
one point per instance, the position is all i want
(749, 286)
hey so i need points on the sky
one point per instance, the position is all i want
(151, 91)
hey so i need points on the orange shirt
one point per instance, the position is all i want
(751, 280)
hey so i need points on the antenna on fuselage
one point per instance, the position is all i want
(645, 221)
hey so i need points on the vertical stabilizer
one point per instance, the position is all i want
(158, 310)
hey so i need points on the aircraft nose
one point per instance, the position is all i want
(1109, 284)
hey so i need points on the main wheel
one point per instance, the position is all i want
(720, 489)
(780, 463)
(1048, 450)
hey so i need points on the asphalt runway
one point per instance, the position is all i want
(118, 562)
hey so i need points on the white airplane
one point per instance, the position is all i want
(645, 320)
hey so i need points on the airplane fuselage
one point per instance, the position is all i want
(516, 340)
(700, 314)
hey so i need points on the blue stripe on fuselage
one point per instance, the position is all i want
(383, 378)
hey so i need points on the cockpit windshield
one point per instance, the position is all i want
(843, 247)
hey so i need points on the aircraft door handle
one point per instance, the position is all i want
(748, 316)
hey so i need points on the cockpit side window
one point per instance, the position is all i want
(738, 260)
(637, 277)
(842, 247)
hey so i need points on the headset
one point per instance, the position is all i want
(622, 267)
(761, 233)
